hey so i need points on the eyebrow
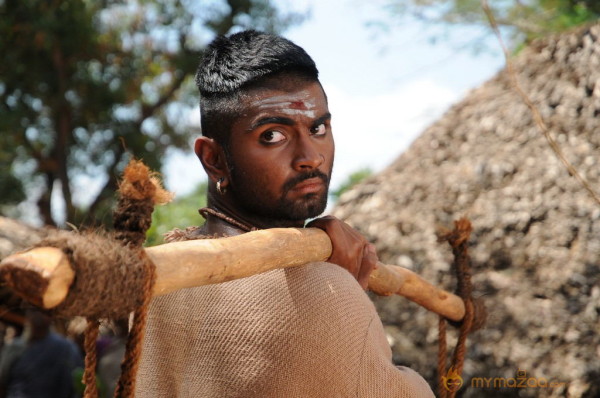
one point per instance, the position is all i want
(286, 121)
(322, 119)
(272, 120)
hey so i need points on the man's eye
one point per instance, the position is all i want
(319, 130)
(272, 136)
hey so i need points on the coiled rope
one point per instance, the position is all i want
(449, 379)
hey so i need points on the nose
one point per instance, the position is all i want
(307, 155)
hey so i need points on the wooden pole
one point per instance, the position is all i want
(43, 275)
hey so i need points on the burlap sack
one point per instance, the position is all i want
(304, 332)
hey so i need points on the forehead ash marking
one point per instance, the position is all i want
(297, 105)
(305, 108)
(292, 107)
(301, 112)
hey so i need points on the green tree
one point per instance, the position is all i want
(351, 181)
(181, 213)
(525, 20)
(84, 84)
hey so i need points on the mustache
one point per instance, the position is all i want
(292, 182)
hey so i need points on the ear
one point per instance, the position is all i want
(212, 157)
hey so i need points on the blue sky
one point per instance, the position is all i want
(383, 90)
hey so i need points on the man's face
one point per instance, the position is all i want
(281, 152)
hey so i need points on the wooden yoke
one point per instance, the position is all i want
(43, 275)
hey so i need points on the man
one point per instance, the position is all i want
(311, 331)
(44, 365)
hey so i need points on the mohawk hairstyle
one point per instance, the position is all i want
(236, 63)
(231, 62)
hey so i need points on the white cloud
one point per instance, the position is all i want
(372, 130)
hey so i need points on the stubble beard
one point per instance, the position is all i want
(250, 197)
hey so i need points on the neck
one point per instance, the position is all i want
(232, 220)
(38, 335)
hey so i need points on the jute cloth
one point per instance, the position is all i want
(303, 332)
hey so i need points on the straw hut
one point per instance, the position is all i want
(536, 241)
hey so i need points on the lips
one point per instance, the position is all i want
(310, 185)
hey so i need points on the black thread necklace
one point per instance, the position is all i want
(205, 211)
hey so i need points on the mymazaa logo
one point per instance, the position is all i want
(521, 381)
(452, 381)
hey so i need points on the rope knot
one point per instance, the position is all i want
(139, 192)
(474, 309)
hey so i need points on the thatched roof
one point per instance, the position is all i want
(536, 240)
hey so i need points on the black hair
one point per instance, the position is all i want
(239, 62)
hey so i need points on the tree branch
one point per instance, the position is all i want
(111, 183)
(34, 152)
(44, 202)
(63, 129)
(149, 110)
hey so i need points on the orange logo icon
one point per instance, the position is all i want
(452, 381)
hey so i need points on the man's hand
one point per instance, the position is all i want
(350, 249)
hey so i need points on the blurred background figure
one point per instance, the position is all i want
(111, 350)
(40, 364)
